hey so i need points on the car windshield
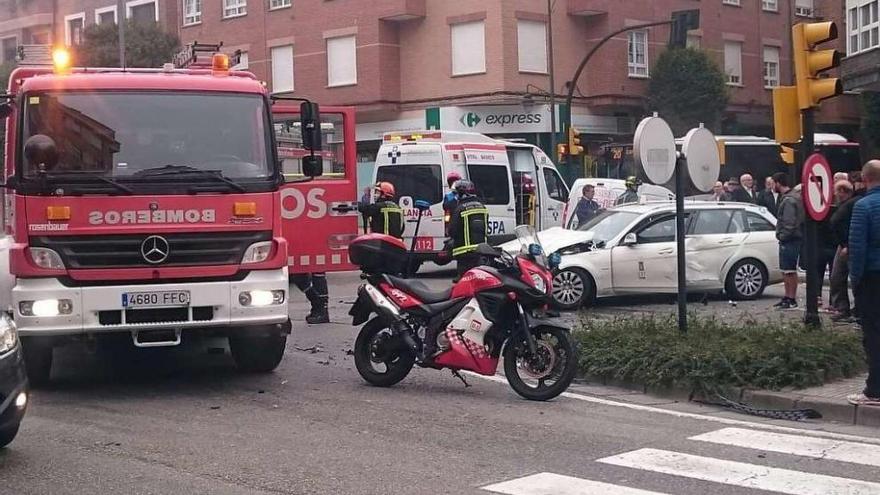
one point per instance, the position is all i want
(607, 224)
(119, 135)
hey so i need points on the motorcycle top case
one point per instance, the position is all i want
(378, 253)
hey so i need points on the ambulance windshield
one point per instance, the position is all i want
(140, 136)
(416, 181)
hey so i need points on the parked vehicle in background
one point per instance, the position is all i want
(517, 182)
(13, 380)
(631, 249)
(606, 193)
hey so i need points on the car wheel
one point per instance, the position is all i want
(572, 288)
(746, 280)
(7, 435)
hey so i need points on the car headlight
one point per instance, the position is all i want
(538, 282)
(8, 335)
(257, 252)
(46, 258)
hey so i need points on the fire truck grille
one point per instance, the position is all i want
(127, 251)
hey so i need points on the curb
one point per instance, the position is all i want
(841, 412)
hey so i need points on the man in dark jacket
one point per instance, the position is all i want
(789, 233)
(864, 273)
(737, 193)
(769, 198)
(840, 219)
(468, 226)
(587, 207)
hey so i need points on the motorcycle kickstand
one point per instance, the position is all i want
(456, 374)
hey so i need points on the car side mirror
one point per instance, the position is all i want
(41, 152)
(630, 239)
(310, 121)
(312, 166)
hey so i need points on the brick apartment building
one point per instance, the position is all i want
(481, 64)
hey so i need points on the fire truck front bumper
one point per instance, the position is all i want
(46, 307)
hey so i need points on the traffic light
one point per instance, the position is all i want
(810, 62)
(574, 142)
(787, 123)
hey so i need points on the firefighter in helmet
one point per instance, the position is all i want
(631, 195)
(384, 216)
(468, 226)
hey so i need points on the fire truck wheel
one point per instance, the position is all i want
(37, 360)
(258, 354)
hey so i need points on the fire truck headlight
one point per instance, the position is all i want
(46, 258)
(46, 307)
(257, 252)
(261, 298)
(8, 337)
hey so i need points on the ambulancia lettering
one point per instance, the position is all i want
(127, 217)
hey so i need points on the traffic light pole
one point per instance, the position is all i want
(680, 247)
(811, 231)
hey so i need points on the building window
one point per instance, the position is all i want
(637, 54)
(234, 8)
(733, 62)
(341, 61)
(73, 28)
(282, 68)
(278, 4)
(531, 38)
(142, 11)
(770, 5)
(468, 48)
(10, 49)
(771, 66)
(243, 62)
(730, 2)
(863, 27)
(192, 12)
(803, 8)
(105, 15)
(693, 41)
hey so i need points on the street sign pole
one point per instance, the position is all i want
(120, 26)
(811, 237)
(679, 241)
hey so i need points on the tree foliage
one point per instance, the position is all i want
(687, 88)
(146, 45)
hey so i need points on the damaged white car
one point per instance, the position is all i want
(631, 249)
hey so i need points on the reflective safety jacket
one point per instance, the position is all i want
(385, 217)
(468, 226)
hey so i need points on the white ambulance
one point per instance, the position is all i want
(517, 182)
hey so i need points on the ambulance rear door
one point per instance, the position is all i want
(489, 169)
(319, 216)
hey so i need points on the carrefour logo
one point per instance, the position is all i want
(472, 119)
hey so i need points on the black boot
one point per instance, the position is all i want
(317, 295)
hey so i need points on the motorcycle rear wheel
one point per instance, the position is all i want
(555, 361)
(376, 346)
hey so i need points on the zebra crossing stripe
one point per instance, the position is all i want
(740, 474)
(816, 448)
(557, 484)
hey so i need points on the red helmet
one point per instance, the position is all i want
(451, 177)
(385, 190)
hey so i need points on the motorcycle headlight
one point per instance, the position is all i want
(538, 282)
(46, 258)
(8, 336)
(257, 252)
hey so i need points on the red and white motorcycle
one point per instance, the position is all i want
(493, 311)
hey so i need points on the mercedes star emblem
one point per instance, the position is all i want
(155, 249)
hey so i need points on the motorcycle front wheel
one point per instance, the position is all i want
(381, 358)
(546, 373)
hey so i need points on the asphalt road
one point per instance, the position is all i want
(184, 421)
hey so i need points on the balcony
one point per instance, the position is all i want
(587, 8)
(402, 10)
(861, 72)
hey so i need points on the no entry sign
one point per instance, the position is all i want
(817, 187)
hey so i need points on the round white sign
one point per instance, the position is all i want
(654, 149)
(700, 150)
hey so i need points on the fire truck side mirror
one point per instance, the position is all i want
(310, 120)
(312, 166)
(41, 152)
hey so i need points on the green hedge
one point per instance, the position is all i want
(650, 350)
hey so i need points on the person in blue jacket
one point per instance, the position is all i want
(864, 273)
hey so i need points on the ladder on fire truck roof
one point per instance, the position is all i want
(199, 55)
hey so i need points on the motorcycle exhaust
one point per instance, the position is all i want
(386, 309)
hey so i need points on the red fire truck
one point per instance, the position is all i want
(149, 203)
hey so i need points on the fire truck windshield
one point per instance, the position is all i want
(138, 138)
